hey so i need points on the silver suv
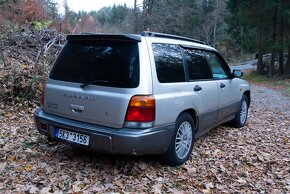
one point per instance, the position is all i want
(140, 94)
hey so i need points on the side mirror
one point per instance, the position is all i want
(237, 73)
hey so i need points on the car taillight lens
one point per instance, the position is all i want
(140, 114)
(42, 94)
(43, 126)
(141, 109)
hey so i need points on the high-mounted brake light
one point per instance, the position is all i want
(42, 94)
(140, 112)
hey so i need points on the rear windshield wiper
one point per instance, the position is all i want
(103, 82)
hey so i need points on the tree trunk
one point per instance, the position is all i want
(136, 17)
(288, 64)
(242, 35)
(260, 65)
(274, 20)
(182, 18)
(281, 37)
(281, 51)
(215, 26)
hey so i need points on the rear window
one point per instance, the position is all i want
(114, 63)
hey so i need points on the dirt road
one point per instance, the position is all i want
(254, 159)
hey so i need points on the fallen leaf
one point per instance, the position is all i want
(28, 167)
(45, 190)
(157, 188)
(33, 189)
(242, 181)
(119, 183)
(209, 185)
(11, 158)
(19, 169)
(76, 189)
(207, 191)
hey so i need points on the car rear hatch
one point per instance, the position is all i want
(94, 78)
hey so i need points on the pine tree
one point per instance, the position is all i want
(259, 21)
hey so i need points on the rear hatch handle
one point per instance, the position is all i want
(77, 108)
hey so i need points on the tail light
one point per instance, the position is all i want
(140, 112)
(43, 126)
(42, 94)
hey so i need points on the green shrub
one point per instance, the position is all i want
(41, 25)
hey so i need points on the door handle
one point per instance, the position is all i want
(197, 88)
(222, 85)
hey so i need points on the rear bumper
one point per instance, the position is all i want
(109, 140)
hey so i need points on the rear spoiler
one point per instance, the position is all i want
(119, 37)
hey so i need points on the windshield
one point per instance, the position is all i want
(111, 62)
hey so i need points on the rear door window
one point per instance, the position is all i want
(114, 63)
(197, 64)
(168, 61)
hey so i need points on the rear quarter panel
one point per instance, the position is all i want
(172, 98)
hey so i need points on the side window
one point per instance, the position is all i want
(168, 60)
(214, 62)
(197, 64)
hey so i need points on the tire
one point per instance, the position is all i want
(240, 119)
(182, 141)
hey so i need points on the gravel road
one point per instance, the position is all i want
(253, 159)
(272, 100)
(246, 65)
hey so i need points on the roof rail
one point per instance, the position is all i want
(87, 33)
(162, 35)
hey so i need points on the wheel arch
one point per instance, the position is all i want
(194, 116)
(248, 95)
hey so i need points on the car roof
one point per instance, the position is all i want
(183, 41)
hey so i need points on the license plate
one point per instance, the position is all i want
(72, 136)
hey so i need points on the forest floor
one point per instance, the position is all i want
(253, 159)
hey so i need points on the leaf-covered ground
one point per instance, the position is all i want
(254, 159)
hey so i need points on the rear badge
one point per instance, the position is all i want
(78, 96)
